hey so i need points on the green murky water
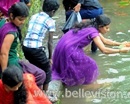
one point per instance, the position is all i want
(112, 86)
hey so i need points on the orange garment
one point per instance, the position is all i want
(35, 94)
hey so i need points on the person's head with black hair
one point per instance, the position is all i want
(101, 23)
(17, 13)
(12, 78)
(50, 7)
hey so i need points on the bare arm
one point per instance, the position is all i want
(4, 53)
(50, 44)
(100, 44)
(109, 42)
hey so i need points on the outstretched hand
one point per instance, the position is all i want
(126, 44)
(125, 50)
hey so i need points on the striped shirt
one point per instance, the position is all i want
(39, 24)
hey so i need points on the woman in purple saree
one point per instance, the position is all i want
(71, 65)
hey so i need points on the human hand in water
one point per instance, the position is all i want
(77, 7)
(126, 44)
(124, 50)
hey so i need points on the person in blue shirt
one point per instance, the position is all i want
(88, 9)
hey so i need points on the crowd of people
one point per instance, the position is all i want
(67, 63)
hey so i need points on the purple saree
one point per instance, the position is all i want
(70, 63)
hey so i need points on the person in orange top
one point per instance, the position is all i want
(19, 88)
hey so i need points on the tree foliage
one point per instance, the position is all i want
(124, 2)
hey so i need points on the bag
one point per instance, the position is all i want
(74, 17)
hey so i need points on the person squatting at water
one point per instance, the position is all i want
(71, 65)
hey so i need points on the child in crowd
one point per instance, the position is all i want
(33, 48)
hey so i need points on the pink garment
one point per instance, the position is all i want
(5, 5)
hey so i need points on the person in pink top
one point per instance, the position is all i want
(5, 5)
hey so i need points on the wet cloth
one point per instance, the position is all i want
(71, 65)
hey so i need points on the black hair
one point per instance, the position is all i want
(69, 4)
(19, 9)
(99, 21)
(12, 76)
(20, 96)
(50, 5)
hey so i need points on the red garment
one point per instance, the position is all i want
(5, 97)
(35, 94)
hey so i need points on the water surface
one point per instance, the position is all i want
(112, 86)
